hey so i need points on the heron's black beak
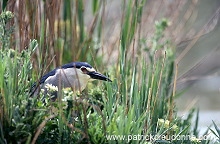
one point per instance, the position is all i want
(96, 75)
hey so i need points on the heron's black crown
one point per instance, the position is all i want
(76, 65)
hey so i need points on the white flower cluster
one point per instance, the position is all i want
(166, 124)
(67, 98)
(51, 87)
(68, 94)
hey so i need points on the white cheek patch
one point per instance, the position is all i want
(90, 69)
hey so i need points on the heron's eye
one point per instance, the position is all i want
(84, 70)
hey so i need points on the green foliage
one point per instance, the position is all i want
(216, 132)
(4, 31)
(139, 101)
(17, 107)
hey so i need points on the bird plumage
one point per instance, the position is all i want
(73, 75)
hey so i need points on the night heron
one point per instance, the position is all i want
(73, 75)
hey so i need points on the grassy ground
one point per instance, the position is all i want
(41, 35)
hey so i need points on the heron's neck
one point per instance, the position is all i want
(75, 78)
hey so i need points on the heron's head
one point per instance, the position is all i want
(85, 70)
